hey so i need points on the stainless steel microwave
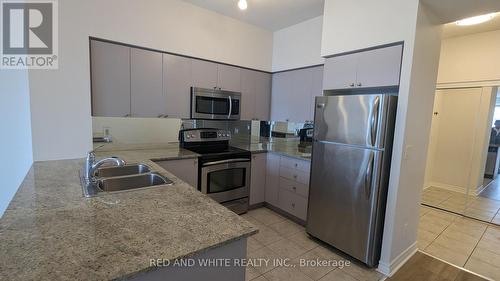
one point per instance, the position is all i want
(215, 104)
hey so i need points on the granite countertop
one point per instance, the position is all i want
(51, 232)
(286, 147)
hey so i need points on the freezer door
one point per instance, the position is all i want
(353, 119)
(343, 199)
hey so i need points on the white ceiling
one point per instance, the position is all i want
(268, 14)
(453, 30)
(451, 10)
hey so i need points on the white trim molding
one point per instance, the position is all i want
(455, 188)
(398, 262)
(468, 84)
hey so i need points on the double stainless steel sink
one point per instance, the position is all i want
(122, 178)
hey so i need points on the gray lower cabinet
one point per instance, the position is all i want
(204, 74)
(292, 93)
(185, 169)
(287, 184)
(177, 85)
(110, 71)
(293, 192)
(146, 84)
(229, 78)
(272, 179)
(258, 179)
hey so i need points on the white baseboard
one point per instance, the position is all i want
(388, 269)
(450, 187)
(480, 189)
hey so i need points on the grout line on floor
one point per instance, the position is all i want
(440, 233)
(456, 266)
(462, 215)
(481, 238)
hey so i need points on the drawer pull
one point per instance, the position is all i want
(295, 176)
(296, 165)
(294, 188)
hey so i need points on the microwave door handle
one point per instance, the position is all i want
(230, 108)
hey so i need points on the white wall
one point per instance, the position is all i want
(373, 23)
(470, 58)
(15, 143)
(298, 45)
(60, 99)
(365, 23)
(138, 130)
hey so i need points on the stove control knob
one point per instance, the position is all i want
(188, 136)
(191, 135)
(219, 135)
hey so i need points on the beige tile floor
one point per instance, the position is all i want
(480, 208)
(461, 241)
(281, 238)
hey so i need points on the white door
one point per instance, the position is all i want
(453, 138)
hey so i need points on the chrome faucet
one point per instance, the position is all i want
(91, 167)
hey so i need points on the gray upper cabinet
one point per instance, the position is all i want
(292, 95)
(110, 79)
(177, 85)
(146, 79)
(340, 72)
(229, 78)
(248, 94)
(141, 83)
(316, 88)
(262, 95)
(204, 74)
(374, 68)
(379, 67)
(256, 95)
(281, 89)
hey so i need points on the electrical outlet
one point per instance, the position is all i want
(106, 131)
(407, 152)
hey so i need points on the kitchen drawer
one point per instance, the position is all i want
(293, 163)
(294, 175)
(295, 187)
(292, 203)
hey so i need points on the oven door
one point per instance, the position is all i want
(226, 180)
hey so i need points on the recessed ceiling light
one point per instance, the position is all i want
(475, 20)
(242, 4)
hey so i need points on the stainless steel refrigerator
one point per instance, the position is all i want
(350, 171)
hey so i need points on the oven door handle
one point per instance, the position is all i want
(226, 161)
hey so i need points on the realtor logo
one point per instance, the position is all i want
(29, 34)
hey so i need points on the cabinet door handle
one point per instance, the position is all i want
(293, 205)
(294, 188)
(295, 176)
(296, 165)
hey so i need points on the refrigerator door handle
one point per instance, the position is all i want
(374, 121)
(369, 176)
